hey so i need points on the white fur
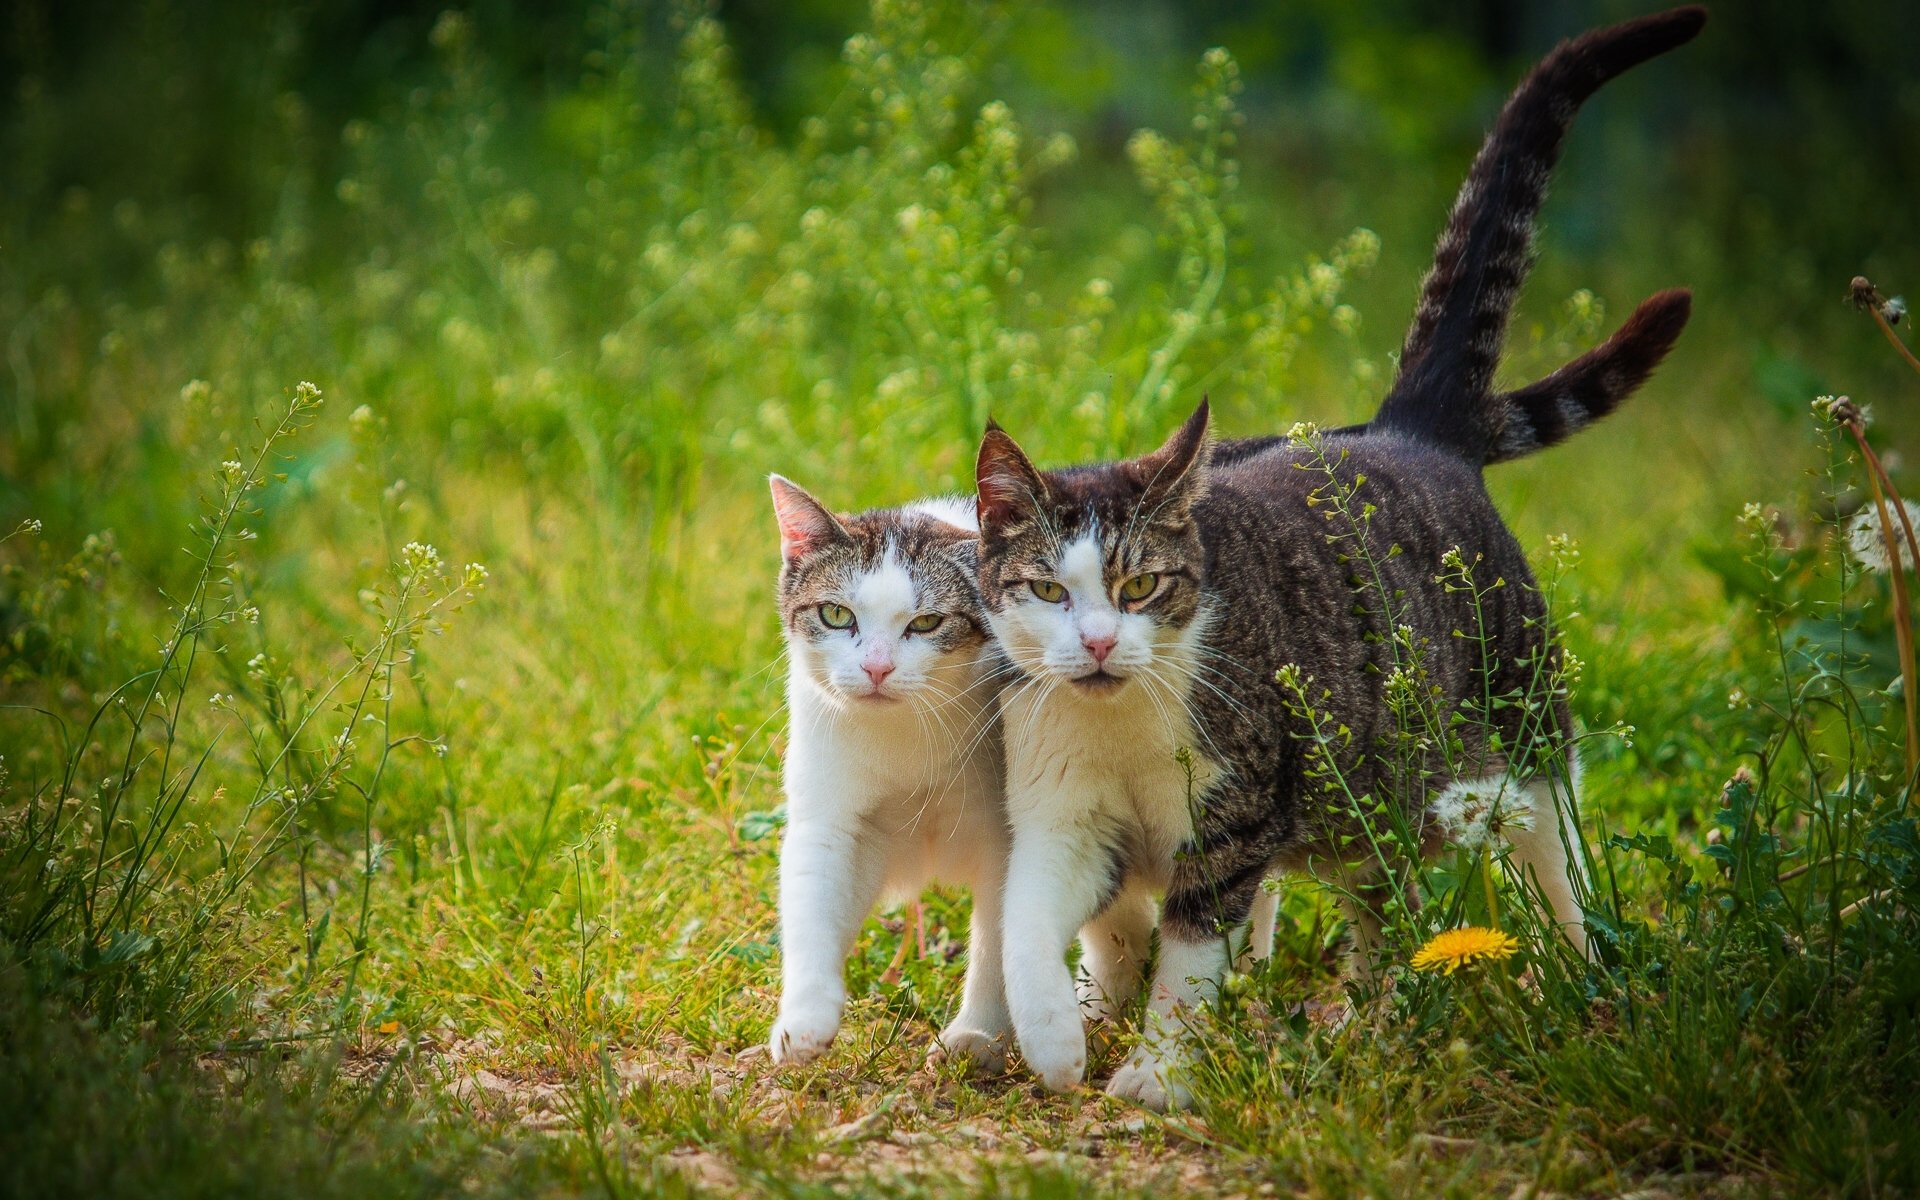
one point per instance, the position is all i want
(888, 788)
(959, 511)
(1546, 853)
(1048, 641)
(1086, 770)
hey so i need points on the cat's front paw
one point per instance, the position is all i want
(800, 1037)
(1056, 1051)
(1152, 1081)
(984, 1051)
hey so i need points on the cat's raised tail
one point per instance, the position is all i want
(1443, 393)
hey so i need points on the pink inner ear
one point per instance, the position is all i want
(799, 532)
(804, 525)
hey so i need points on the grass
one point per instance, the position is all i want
(330, 865)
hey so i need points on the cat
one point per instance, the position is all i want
(1199, 636)
(893, 772)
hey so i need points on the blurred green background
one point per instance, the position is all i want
(154, 145)
(582, 274)
(572, 278)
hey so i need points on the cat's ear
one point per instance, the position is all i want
(1175, 475)
(1009, 486)
(805, 523)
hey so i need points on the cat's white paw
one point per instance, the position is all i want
(983, 1050)
(1056, 1051)
(800, 1037)
(1150, 1081)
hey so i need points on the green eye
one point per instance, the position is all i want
(925, 623)
(1048, 590)
(1139, 587)
(835, 616)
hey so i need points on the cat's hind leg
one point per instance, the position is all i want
(982, 1031)
(1546, 852)
(1260, 922)
(1113, 954)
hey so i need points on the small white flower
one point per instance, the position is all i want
(1476, 813)
(1869, 545)
(420, 559)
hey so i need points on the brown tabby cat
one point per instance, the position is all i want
(1199, 635)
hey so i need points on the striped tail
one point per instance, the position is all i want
(1549, 412)
(1443, 392)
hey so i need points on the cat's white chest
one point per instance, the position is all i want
(1125, 769)
(890, 766)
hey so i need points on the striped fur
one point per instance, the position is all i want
(1555, 408)
(1548, 412)
(1443, 392)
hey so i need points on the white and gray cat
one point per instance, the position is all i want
(893, 771)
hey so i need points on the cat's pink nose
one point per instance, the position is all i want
(1100, 646)
(877, 673)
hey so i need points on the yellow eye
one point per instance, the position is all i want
(925, 622)
(1048, 590)
(1139, 587)
(835, 616)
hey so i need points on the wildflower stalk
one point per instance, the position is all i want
(1848, 416)
(1902, 624)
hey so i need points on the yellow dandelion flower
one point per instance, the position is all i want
(1455, 948)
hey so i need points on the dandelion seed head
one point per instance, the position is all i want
(1480, 813)
(1867, 542)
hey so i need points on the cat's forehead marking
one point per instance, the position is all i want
(1082, 562)
(885, 588)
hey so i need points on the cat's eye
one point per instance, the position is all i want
(925, 623)
(1048, 590)
(836, 616)
(1140, 586)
